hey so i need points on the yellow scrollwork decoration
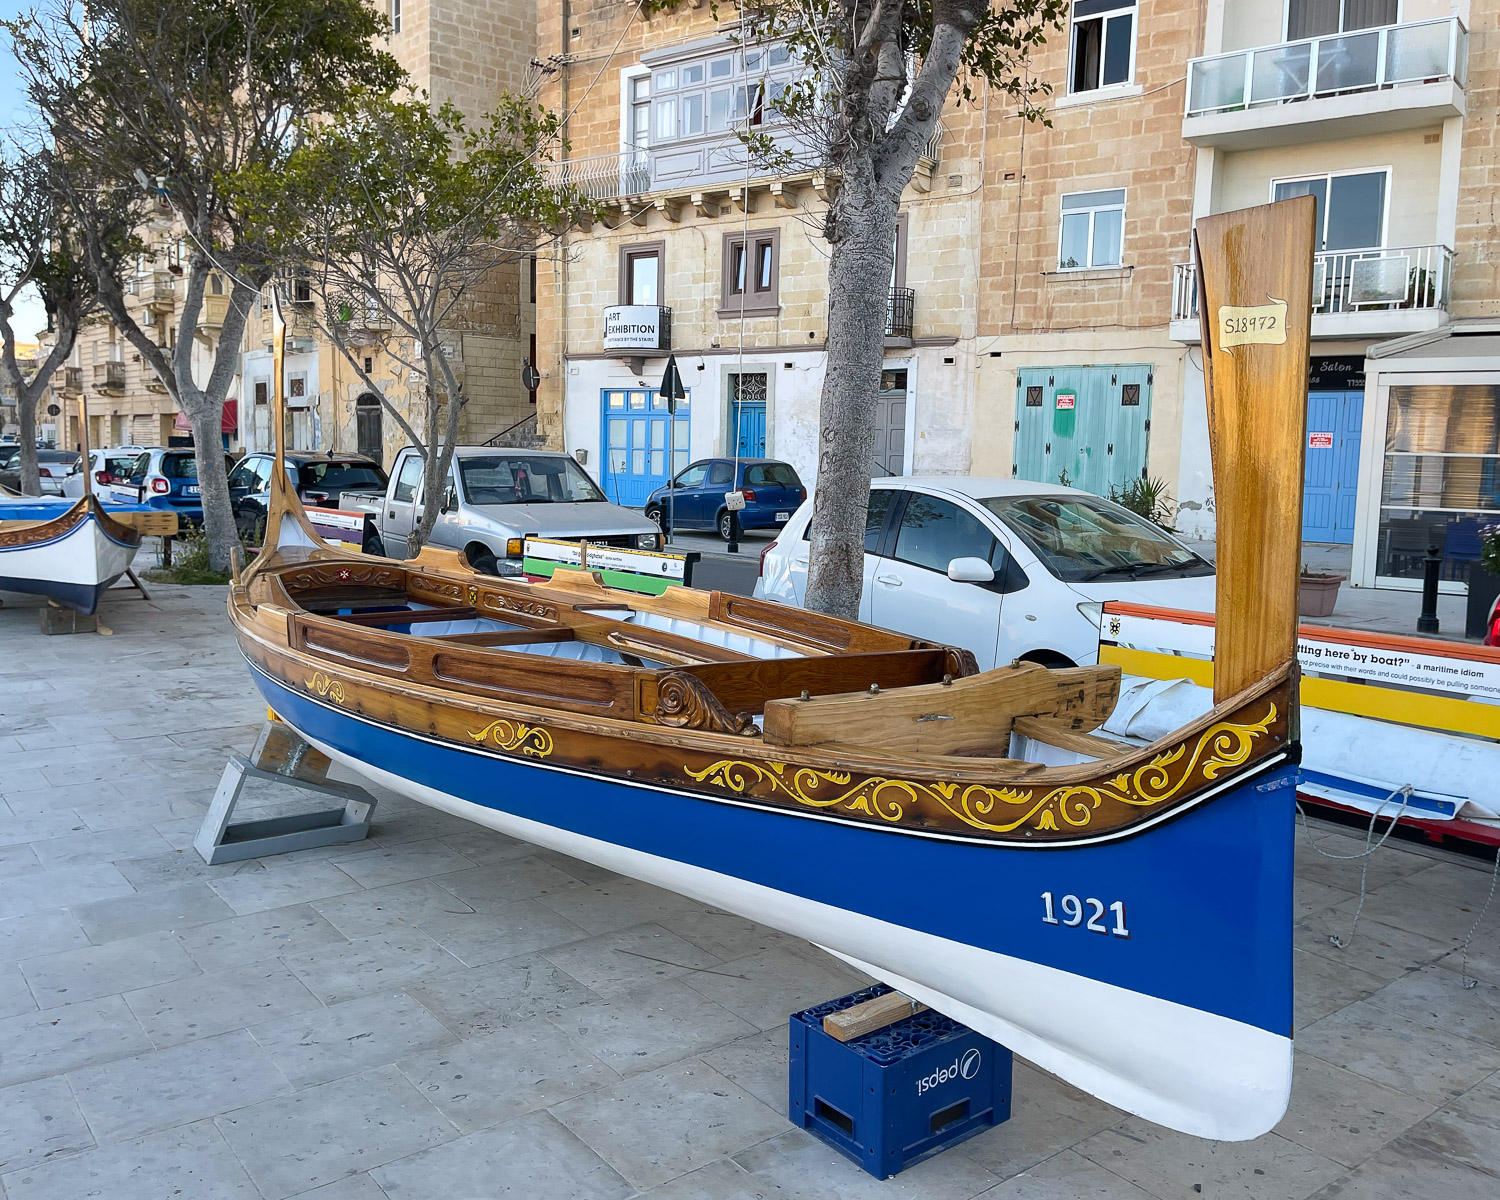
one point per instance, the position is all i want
(323, 685)
(999, 810)
(530, 740)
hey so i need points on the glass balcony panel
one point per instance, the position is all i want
(1350, 61)
(1217, 83)
(1414, 52)
(1280, 72)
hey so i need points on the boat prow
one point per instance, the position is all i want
(70, 554)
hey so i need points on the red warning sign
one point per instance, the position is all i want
(1066, 399)
(1320, 441)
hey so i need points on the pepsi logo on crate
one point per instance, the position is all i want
(898, 1094)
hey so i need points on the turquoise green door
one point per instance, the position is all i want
(1088, 427)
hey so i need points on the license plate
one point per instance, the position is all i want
(189, 491)
(786, 516)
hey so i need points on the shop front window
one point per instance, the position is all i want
(1441, 478)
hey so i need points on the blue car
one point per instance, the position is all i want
(165, 479)
(696, 498)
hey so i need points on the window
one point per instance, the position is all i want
(640, 273)
(1082, 540)
(1093, 229)
(531, 279)
(752, 265)
(934, 532)
(880, 505)
(772, 475)
(262, 391)
(406, 481)
(1314, 18)
(1103, 47)
(395, 16)
(693, 476)
(1351, 207)
(524, 479)
(721, 474)
(712, 92)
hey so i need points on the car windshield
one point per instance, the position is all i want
(1080, 539)
(525, 479)
(57, 456)
(342, 476)
(179, 466)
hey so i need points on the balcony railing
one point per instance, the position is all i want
(1362, 60)
(109, 376)
(72, 381)
(1355, 281)
(900, 313)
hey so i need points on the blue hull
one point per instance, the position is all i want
(1206, 898)
(80, 597)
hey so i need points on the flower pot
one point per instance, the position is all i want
(1318, 594)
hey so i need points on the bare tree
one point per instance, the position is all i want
(408, 210)
(187, 97)
(875, 77)
(38, 251)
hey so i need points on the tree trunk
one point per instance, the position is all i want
(859, 273)
(26, 402)
(213, 485)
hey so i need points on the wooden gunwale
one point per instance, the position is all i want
(17, 535)
(862, 785)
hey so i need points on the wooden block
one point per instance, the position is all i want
(282, 752)
(860, 1019)
(57, 620)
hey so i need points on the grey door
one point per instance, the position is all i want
(890, 426)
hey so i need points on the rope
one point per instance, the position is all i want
(1405, 791)
(1464, 977)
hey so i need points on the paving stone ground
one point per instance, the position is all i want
(441, 1013)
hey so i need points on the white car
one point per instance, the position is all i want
(108, 466)
(1006, 568)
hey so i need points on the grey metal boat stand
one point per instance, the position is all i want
(281, 756)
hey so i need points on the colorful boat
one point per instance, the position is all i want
(70, 551)
(1121, 915)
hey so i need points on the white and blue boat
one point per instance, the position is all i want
(70, 551)
(1119, 914)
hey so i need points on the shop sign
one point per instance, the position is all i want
(632, 327)
(1343, 373)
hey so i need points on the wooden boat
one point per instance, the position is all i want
(69, 551)
(1119, 914)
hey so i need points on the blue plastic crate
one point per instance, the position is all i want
(898, 1095)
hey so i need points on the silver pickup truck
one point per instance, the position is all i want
(494, 500)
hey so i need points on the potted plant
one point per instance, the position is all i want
(1319, 592)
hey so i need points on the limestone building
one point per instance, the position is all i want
(1041, 315)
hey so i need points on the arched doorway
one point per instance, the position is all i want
(367, 427)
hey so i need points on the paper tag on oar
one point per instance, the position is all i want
(1252, 324)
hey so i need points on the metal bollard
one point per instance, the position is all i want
(734, 533)
(1431, 565)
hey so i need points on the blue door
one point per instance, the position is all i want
(747, 427)
(636, 431)
(1331, 472)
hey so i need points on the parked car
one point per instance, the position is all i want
(494, 499)
(318, 478)
(10, 466)
(165, 479)
(52, 467)
(695, 500)
(1003, 567)
(110, 466)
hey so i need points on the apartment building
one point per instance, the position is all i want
(1042, 321)
(467, 52)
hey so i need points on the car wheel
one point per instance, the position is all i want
(1048, 658)
(657, 517)
(726, 525)
(481, 559)
(375, 546)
